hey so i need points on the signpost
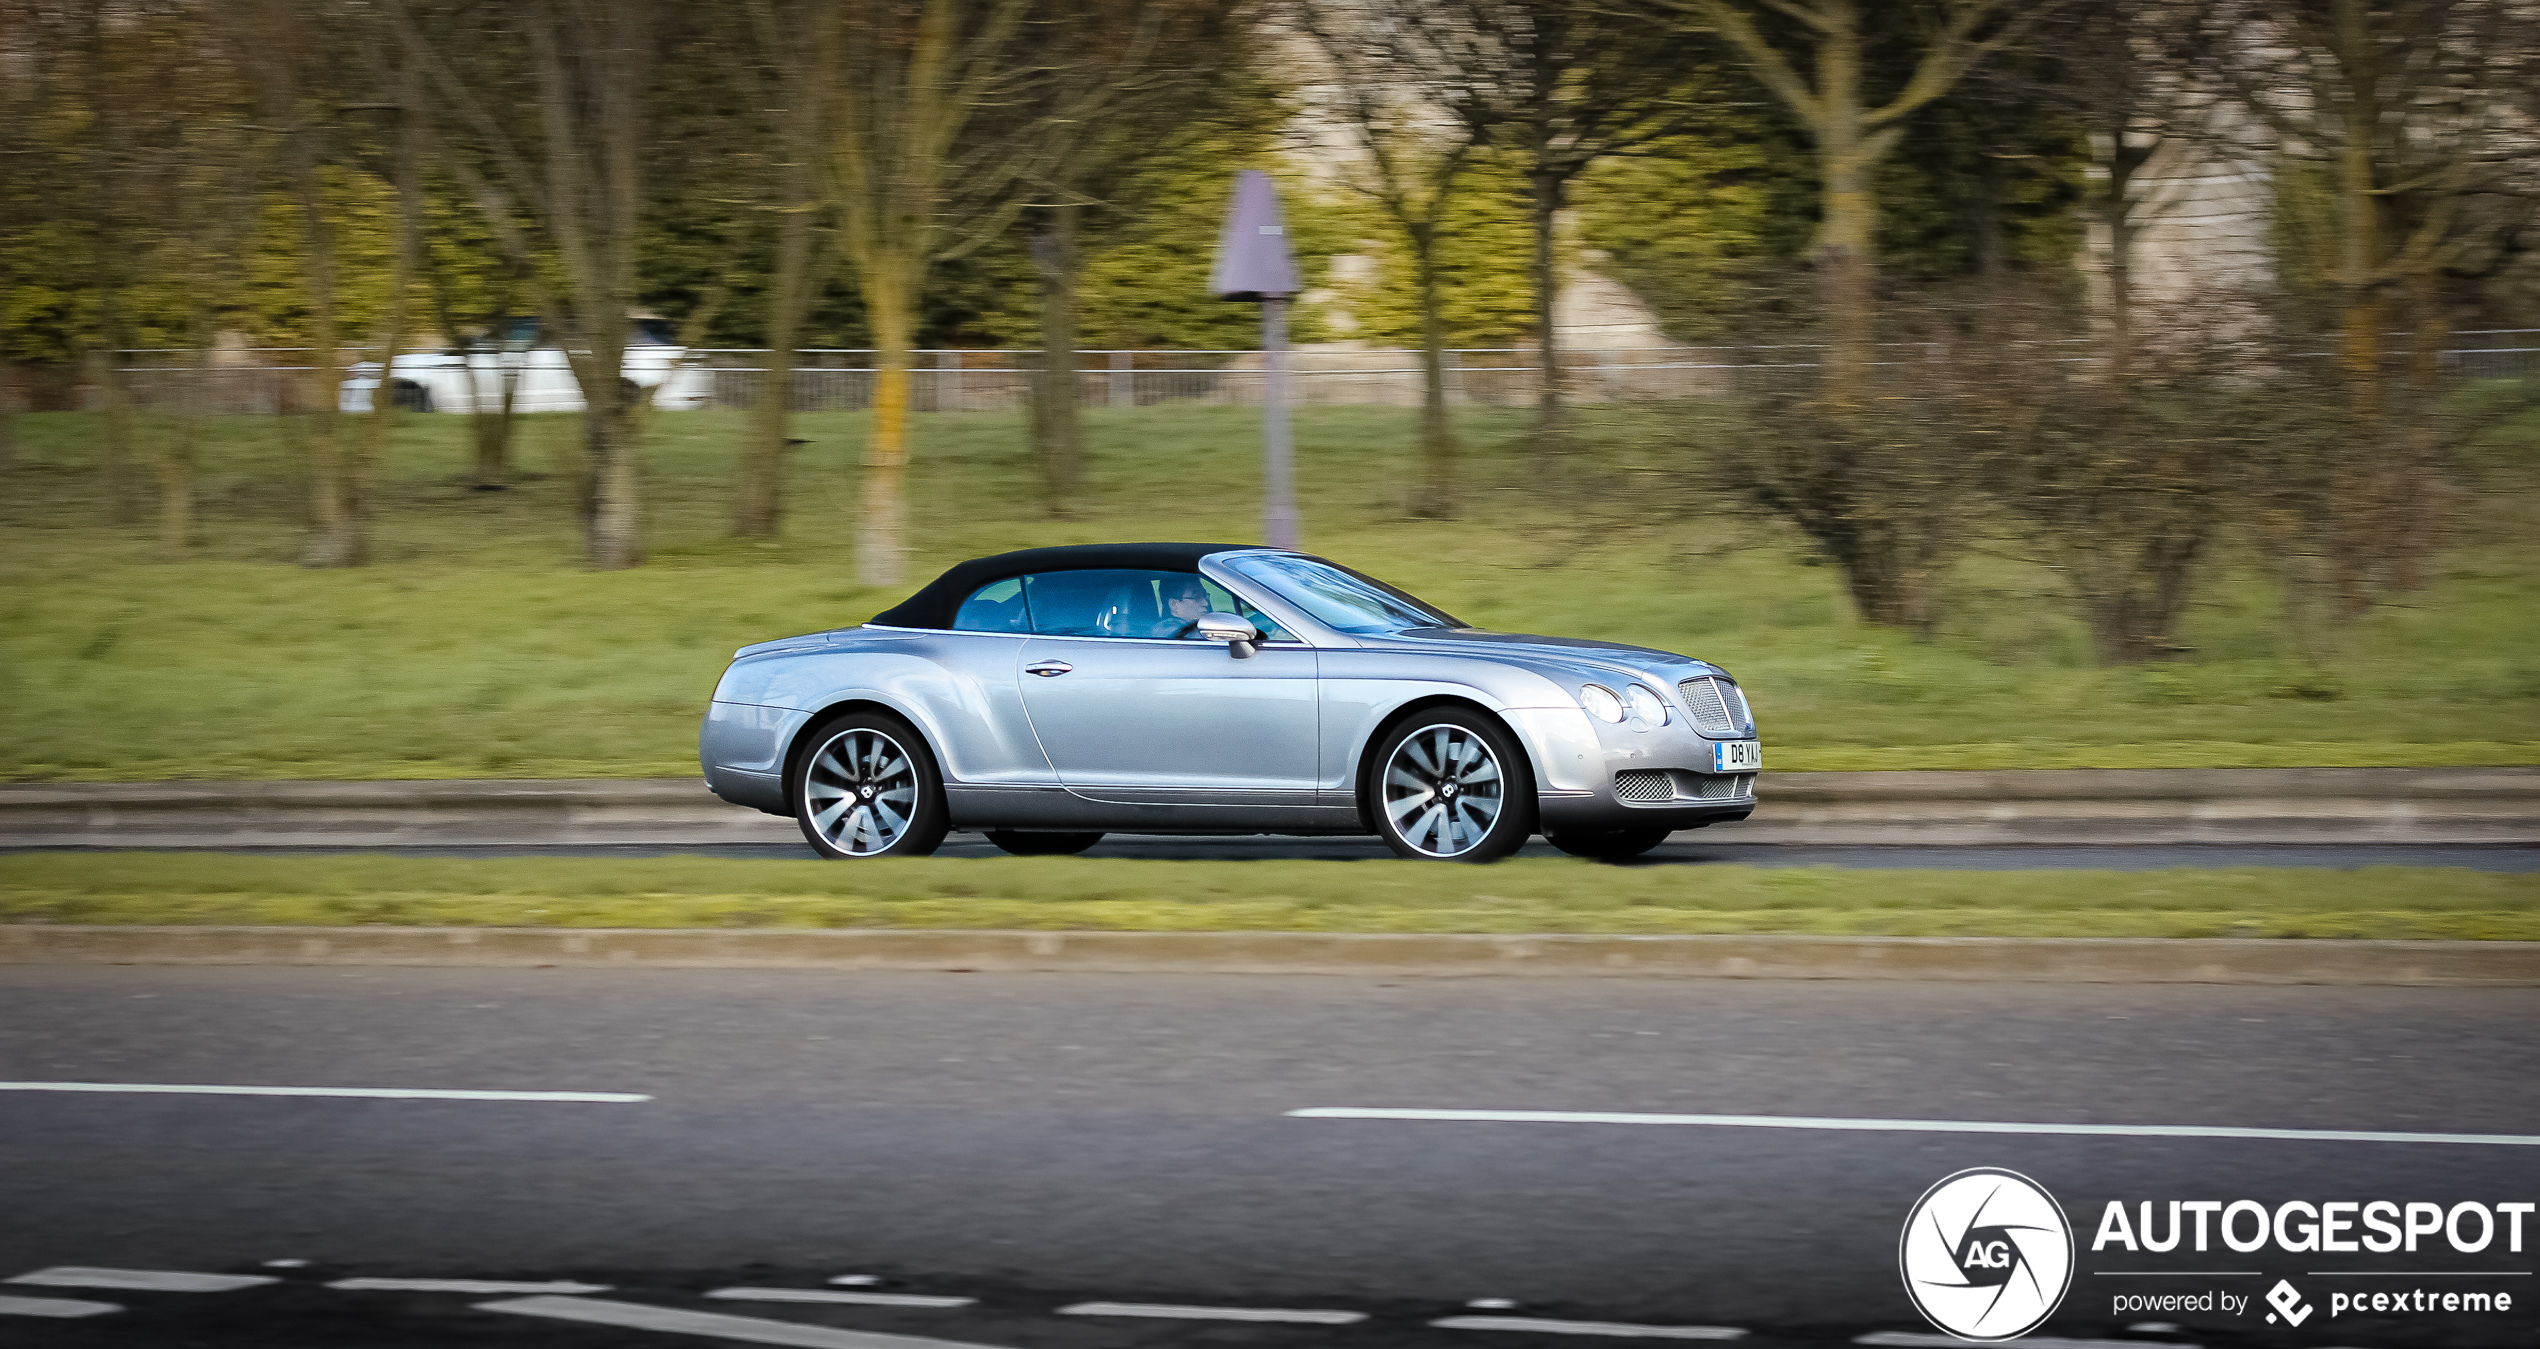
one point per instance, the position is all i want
(1253, 263)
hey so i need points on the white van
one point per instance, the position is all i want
(472, 379)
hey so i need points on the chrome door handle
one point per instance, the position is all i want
(1048, 669)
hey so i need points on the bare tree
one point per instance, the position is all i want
(911, 191)
(285, 47)
(1557, 85)
(108, 191)
(211, 167)
(1853, 131)
(798, 45)
(2397, 113)
(1389, 80)
(1101, 86)
(578, 186)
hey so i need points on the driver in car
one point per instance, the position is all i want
(1183, 605)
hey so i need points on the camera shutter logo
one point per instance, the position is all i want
(1987, 1254)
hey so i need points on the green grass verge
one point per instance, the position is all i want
(478, 647)
(1076, 894)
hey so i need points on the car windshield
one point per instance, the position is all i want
(1337, 598)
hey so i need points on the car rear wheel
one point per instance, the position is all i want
(1452, 786)
(1608, 845)
(868, 787)
(1024, 844)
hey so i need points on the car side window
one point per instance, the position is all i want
(994, 608)
(1123, 603)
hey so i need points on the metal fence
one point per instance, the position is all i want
(278, 379)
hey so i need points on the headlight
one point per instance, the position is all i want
(1601, 702)
(1647, 706)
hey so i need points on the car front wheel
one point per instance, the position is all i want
(1452, 786)
(868, 787)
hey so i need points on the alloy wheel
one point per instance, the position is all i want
(1443, 790)
(861, 789)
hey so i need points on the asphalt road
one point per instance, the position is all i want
(1687, 852)
(1036, 1142)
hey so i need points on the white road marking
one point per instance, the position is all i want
(1907, 1339)
(63, 1307)
(857, 1280)
(1307, 1315)
(748, 1329)
(372, 1093)
(286, 1264)
(1927, 1126)
(146, 1280)
(828, 1295)
(466, 1286)
(1492, 1304)
(1613, 1329)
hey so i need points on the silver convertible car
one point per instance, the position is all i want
(1047, 696)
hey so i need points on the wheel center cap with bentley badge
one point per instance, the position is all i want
(865, 791)
(1987, 1255)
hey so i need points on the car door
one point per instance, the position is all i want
(1129, 713)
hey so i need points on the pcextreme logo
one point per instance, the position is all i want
(1987, 1255)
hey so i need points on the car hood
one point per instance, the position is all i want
(1526, 646)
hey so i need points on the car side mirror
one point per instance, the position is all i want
(1236, 631)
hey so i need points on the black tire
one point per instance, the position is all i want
(1608, 845)
(865, 786)
(1487, 813)
(1025, 844)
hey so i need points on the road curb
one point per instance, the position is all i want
(1927, 808)
(2218, 960)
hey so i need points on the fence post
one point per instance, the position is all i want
(1124, 388)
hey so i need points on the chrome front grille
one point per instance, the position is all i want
(1718, 708)
(1645, 784)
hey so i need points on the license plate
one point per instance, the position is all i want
(1736, 756)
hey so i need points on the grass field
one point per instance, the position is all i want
(479, 647)
(1529, 895)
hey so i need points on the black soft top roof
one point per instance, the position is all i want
(933, 606)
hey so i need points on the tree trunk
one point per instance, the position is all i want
(1058, 430)
(2416, 526)
(110, 252)
(339, 537)
(609, 462)
(115, 434)
(494, 442)
(361, 476)
(1551, 415)
(1845, 253)
(881, 542)
(2356, 517)
(176, 462)
(2358, 496)
(489, 437)
(8, 417)
(758, 503)
(1434, 496)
